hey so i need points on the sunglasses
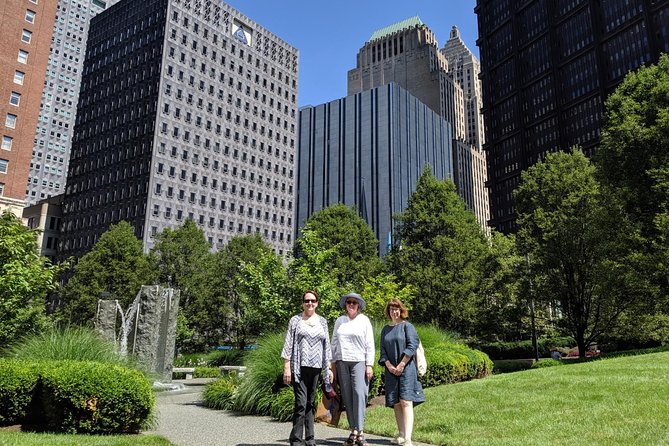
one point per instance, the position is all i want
(310, 301)
(351, 302)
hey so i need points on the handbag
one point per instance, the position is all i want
(419, 357)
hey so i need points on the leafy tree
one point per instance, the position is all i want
(633, 162)
(116, 264)
(313, 271)
(441, 255)
(379, 289)
(25, 279)
(574, 239)
(355, 256)
(225, 313)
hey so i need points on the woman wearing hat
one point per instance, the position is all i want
(353, 357)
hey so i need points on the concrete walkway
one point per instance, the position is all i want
(184, 421)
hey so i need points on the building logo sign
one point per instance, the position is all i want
(241, 32)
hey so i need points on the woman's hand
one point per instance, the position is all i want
(400, 368)
(369, 372)
(286, 375)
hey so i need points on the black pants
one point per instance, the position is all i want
(303, 412)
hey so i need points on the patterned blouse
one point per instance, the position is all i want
(307, 344)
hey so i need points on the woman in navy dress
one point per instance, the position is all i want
(399, 341)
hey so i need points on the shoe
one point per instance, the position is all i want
(350, 441)
(360, 441)
(407, 443)
(398, 440)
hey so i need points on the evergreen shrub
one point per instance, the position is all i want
(95, 398)
(18, 383)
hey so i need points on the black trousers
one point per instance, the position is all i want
(304, 410)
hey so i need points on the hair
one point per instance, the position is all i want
(396, 303)
(311, 292)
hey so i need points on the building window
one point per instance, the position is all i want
(23, 56)
(26, 36)
(7, 142)
(10, 121)
(3, 165)
(15, 98)
(2, 189)
(30, 16)
(18, 77)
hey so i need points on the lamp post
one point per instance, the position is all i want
(533, 325)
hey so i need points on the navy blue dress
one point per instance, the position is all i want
(397, 341)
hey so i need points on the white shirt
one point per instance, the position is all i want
(353, 340)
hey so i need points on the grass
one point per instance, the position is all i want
(621, 401)
(35, 439)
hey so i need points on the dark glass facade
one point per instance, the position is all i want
(368, 150)
(547, 67)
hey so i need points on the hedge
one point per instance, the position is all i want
(449, 363)
(523, 349)
(89, 397)
(18, 383)
(75, 396)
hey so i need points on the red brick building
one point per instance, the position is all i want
(27, 27)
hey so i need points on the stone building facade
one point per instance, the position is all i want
(187, 110)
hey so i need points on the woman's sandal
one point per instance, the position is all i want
(350, 441)
(360, 441)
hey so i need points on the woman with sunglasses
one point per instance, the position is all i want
(306, 354)
(353, 357)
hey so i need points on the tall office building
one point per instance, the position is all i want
(368, 150)
(470, 167)
(408, 53)
(27, 26)
(547, 67)
(187, 110)
(58, 110)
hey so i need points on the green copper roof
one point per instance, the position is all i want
(388, 30)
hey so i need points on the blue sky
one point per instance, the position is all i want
(330, 33)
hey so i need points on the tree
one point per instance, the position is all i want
(355, 256)
(116, 264)
(441, 254)
(575, 242)
(25, 279)
(633, 162)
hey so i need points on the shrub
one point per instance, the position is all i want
(18, 382)
(547, 363)
(449, 362)
(220, 394)
(90, 397)
(207, 372)
(210, 359)
(282, 404)
(263, 377)
(511, 365)
(71, 343)
(523, 349)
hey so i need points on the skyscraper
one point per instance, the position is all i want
(187, 109)
(58, 108)
(547, 67)
(27, 26)
(408, 54)
(368, 150)
(470, 167)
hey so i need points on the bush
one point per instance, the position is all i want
(449, 363)
(547, 363)
(511, 365)
(282, 404)
(523, 349)
(213, 358)
(18, 382)
(220, 394)
(95, 398)
(207, 372)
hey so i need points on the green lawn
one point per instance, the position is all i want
(621, 401)
(32, 439)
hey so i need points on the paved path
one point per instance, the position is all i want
(184, 421)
